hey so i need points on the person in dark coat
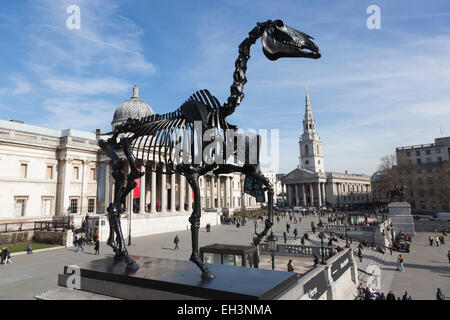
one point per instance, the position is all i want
(176, 241)
(316, 260)
(97, 247)
(290, 268)
(285, 237)
(295, 233)
(390, 296)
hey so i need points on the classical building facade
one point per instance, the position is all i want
(310, 185)
(47, 173)
(429, 181)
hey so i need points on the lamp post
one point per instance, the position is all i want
(321, 229)
(272, 240)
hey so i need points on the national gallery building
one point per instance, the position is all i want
(47, 173)
(310, 185)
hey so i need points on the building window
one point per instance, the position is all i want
(76, 173)
(306, 162)
(418, 153)
(20, 206)
(91, 205)
(408, 153)
(439, 159)
(306, 149)
(427, 152)
(419, 161)
(438, 151)
(73, 205)
(49, 173)
(23, 170)
(429, 160)
(317, 147)
(93, 175)
(46, 207)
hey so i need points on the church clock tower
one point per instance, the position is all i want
(311, 156)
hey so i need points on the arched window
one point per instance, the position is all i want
(317, 147)
(306, 149)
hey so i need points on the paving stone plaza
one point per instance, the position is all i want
(426, 268)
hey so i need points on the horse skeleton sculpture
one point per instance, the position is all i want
(171, 136)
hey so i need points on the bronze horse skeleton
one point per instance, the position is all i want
(160, 137)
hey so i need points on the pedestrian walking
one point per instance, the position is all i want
(437, 241)
(400, 264)
(448, 256)
(431, 239)
(360, 255)
(208, 227)
(290, 268)
(406, 296)
(316, 261)
(288, 227)
(440, 295)
(390, 296)
(97, 247)
(442, 240)
(78, 242)
(6, 256)
(285, 237)
(29, 249)
(176, 241)
(295, 233)
(302, 241)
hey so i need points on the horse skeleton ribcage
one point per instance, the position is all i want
(164, 138)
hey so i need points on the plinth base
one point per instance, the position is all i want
(179, 280)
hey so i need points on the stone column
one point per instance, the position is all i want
(211, 201)
(205, 192)
(319, 195)
(311, 194)
(172, 192)
(289, 195)
(304, 194)
(219, 196)
(227, 190)
(142, 193)
(182, 192)
(64, 184)
(153, 193)
(296, 195)
(231, 193)
(163, 192)
(84, 185)
(323, 193)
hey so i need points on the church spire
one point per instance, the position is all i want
(308, 111)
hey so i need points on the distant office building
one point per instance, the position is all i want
(429, 181)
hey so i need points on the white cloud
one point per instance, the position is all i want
(88, 86)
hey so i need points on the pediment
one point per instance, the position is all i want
(298, 175)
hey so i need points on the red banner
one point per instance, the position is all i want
(137, 190)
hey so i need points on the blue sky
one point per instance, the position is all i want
(372, 91)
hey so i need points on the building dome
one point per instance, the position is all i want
(134, 107)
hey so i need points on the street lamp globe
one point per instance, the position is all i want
(272, 240)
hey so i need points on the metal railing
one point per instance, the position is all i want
(33, 226)
(297, 250)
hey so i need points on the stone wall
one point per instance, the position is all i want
(16, 237)
(50, 237)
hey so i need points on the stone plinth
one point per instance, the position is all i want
(179, 280)
(400, 214)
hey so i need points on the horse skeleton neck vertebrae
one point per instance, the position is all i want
(169, 140)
